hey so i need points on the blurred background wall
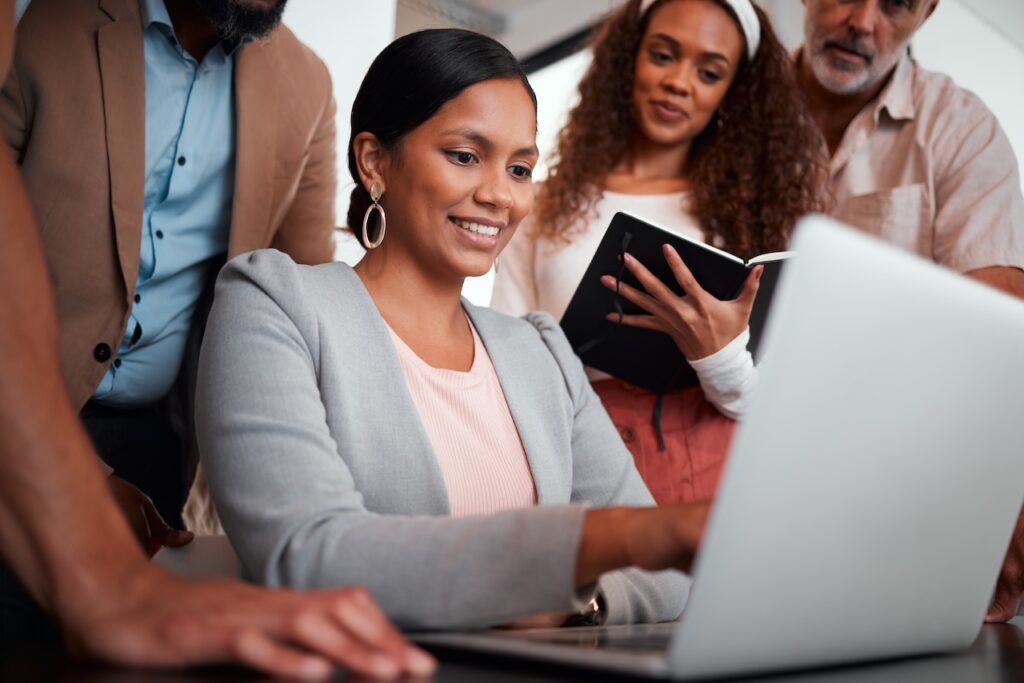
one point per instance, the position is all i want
(980, 43)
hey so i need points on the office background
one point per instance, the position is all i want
(979, 43)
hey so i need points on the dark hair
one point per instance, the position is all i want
(235, 21)
(751, 176)
(414, 77)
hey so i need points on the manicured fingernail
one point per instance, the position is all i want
(607, 280)
(384, 667)
(629, 258)
(419, 663)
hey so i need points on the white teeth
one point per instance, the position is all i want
(486, 230)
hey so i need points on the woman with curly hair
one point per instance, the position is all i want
(689, 118)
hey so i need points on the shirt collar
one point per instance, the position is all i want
(897, 97)
(155, 12)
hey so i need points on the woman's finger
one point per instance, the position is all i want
(650, 282)
(750, 287)
(648, 322)
(682, 272)
(635, 296)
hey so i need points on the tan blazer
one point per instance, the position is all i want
(6, 35)
(73, 112)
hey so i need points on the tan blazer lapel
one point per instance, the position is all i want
(255, 147)
(122, 67)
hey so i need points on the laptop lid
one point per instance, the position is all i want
(873, 486)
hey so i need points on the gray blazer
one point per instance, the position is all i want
(324, 476)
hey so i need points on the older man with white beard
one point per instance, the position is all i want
(915, 160)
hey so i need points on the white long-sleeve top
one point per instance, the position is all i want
(538, 274)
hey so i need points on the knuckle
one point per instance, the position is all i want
(355, 598)
(358, 593)
(303, 624)
(243, 646)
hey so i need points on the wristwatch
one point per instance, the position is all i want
(592, 615)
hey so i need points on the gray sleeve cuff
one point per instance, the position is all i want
(629, 601)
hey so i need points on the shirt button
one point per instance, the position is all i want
(628, 435)
(101, 353)
(628, 387)
(159, 234)
(181, 161)
(117, 362)
(138, 298)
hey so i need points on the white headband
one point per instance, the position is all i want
(744, 12)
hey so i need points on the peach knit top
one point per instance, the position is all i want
(468, 422)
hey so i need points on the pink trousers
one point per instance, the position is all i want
(697, 439)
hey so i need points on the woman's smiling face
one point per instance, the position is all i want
(457, 186)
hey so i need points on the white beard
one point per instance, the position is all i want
(842, 81)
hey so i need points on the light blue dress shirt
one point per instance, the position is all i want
(19, 8)
(186, 215)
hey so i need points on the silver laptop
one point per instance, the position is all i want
(871, 491)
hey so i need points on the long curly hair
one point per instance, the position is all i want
(751, 176)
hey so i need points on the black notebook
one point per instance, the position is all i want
(647, 358)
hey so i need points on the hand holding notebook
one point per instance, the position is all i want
(645, 353)
(699, 323)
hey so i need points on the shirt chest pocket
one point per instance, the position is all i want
(902, 216)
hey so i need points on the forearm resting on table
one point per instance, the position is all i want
(61, 533)
(650, 538)
(601, 549)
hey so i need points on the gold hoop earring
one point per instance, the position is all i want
(375, 194)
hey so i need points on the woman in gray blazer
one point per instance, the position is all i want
(317, 455)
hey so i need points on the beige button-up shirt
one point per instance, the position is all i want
(927, 167)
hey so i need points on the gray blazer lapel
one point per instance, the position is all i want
(523, 382)
(399, 434)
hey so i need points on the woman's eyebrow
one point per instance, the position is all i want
(486, 143)
(675, 45)
(664, 37)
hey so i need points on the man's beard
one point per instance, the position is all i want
(235, 20)
(843, 81)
